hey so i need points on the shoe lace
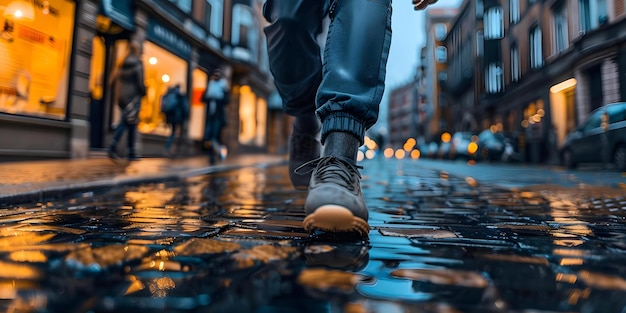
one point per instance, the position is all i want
(332, 170)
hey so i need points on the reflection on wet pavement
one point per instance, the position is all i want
(233, 242)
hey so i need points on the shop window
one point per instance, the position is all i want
(35, 59)
(162, 69)
(198, 112)
(252, 118)
(96, 72)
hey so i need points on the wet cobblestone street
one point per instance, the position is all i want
(232, 241)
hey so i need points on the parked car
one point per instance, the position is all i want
(600, 138)
(443, 151)
(431, 151)
(491, 145)
(463, 146)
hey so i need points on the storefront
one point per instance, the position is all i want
(115, 23)
(36, 46)
(37, 74)
(166, 59)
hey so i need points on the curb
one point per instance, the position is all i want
(51, 193)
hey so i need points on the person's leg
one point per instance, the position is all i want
(295, 63)
(132, 131)
(119, 131)
(180, 141)
(348, 99)
(170, 139)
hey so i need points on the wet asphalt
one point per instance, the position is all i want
(230, 239)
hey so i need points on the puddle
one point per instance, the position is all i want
(234, 242)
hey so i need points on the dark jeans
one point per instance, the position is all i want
(119, 131)
(345, 89)
(213, 130)
(176, 128)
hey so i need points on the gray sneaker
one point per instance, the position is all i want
(303, 147)
(335, 203)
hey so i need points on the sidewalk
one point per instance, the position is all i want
(36, 180)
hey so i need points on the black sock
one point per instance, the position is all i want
(340, 144)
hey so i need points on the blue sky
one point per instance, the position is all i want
(407, 39)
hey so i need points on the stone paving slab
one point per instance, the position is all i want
(35, 180)
(233, 241)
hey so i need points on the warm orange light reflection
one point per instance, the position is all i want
(446, 137)
(566, 278)
(400, 154)
(360, 156)
(569, 262)
(18, 271)
(415, 154)
(388, 153)
(472, 147)
(28, 256)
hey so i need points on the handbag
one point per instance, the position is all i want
(130, 113)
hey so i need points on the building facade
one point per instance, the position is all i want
(57, 101)
(434, 104)
(403, 113)
(540, 67)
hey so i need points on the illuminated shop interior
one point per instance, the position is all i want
(35, 50)
(252, 117)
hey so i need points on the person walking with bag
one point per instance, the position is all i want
(334, 102)
(129, 88)
(215, 98)
(175, 106)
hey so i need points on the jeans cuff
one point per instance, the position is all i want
(343, 122)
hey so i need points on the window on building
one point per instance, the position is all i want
(480, 43)
(514, 11)
(479, 8)
(184, 5)
(592, 13)
(440, 31)
(494, 25)
(441, 53)
(213, 16)
(559, 17)
(515, 68)
(536, 55)
(244, 33)
(495, 80)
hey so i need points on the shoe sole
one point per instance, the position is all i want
(335, 219)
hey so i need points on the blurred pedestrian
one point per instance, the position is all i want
(215, 97)
(175, 106)
(128, 80)
(334, 102)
